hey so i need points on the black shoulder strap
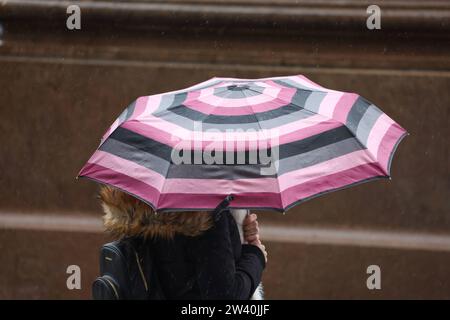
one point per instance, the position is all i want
(217, 212)
(147, 267)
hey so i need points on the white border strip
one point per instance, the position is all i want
(357, 237)
(51, 222)
(73, 222)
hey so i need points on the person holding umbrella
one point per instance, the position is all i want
(196, 255)
(190, 157)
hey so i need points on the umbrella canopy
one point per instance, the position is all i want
(271, 143)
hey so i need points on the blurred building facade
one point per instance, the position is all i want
(61, 89)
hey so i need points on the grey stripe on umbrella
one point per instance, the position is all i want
(164, 151)
(169, 101)
(310, 100)
(194, 171)
(214, 171)
(356, 113)
(316, 156)
(314, 100)
(239, 93)
(126, 114)
(298, 161)
(367, 122)
(191, 125)
(245, 121)
(157, 156)
(131, 153)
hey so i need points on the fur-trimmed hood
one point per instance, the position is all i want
(126, 216)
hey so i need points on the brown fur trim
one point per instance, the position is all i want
(126, 216)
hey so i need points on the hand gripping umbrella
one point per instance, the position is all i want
(262, 143)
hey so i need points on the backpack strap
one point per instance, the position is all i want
(137, 244)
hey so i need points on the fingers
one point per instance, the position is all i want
(256, 243)
(251, 232)
(252, 239)
(249, 219)
(250, 226)
(251, 229)
(263, 249)
(251, 236)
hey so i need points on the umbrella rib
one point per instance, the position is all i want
(373, 157)
(282, 100)
(170, 164)
(181, 104)
(333, 119)
(262, 130)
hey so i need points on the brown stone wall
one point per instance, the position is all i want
(61, 89)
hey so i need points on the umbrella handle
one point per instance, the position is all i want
(217, 212)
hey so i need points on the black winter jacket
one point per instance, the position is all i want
(214, 265)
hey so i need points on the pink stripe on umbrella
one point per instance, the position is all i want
(121, 181)
(172, 134)
(226, 186)
(325, 168)
(329, 103)
(153, 178)
(212, 109)
(207, 201)
(179, 132)
(228, 107)
(377, 133)
(343, 107)
(126, 167)
(147, 107)
(267, 95)
(388, 145)
(330, 182)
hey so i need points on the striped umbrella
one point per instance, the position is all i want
(271, 143)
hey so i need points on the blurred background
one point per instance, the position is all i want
(61, 89)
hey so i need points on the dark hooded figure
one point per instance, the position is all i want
(196, 256)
